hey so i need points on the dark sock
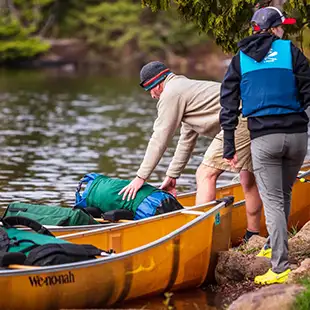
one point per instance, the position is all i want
(249, 234)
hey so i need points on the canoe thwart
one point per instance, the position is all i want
(239, 203)
(228, 200)
(192, 212)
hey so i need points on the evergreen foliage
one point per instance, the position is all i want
(20, 23)
(127, 27)
(121, 26)
(125, 23)
(228, 21)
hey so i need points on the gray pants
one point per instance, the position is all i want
(277, 158)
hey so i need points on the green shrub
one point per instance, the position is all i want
(303, 300)
(22, 49)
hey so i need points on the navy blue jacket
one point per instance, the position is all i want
(273, 99)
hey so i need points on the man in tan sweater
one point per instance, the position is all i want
(195, 106)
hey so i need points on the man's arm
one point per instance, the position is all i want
(230, 101)
(170, 114)
(186, 144)
(171, 108)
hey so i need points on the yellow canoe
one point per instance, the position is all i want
(300, 210)
(165, 253)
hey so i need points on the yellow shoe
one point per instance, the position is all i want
(271, 277)
(265, 253)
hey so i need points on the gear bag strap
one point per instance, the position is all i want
(12, 221)
(77, 252)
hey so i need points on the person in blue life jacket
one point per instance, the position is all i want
(271, 76)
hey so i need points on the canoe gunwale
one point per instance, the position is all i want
(55, 229)
(303, 174)
(114, 257)
(139, 222)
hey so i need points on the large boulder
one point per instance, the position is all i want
(236, 266)
(254, 245)
(301, 272)
(268, 298)
(299, 245)
(242, 264)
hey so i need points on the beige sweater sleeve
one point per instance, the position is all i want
(186, 144)
(170, 113)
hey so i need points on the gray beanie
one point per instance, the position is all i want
(152, 74)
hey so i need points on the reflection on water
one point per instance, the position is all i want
(183, 300)
(54, 129)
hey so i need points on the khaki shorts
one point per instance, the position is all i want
(214, 154)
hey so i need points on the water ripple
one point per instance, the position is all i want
(53, 131)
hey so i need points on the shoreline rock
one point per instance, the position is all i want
(280, 296)
(237, 268)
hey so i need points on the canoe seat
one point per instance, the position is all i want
(119, 214)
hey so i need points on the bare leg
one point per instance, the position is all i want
(206, 183)
(253, 200)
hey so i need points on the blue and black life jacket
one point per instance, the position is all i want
(268, 87)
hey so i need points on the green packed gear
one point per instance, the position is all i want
(39, 248)
(21, 244)
(103, 194)
(50, 215)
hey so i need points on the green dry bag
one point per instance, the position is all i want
(51, 215)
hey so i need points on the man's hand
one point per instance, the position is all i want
(168, 185)
(132, 188)
(232, 161)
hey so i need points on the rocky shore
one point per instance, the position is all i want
(237, 268)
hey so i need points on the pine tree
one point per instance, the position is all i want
(228, 21)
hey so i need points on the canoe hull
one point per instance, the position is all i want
(177, 260)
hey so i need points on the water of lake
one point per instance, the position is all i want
(54, 129)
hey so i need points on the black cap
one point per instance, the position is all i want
(152, 74)
(268, 17)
